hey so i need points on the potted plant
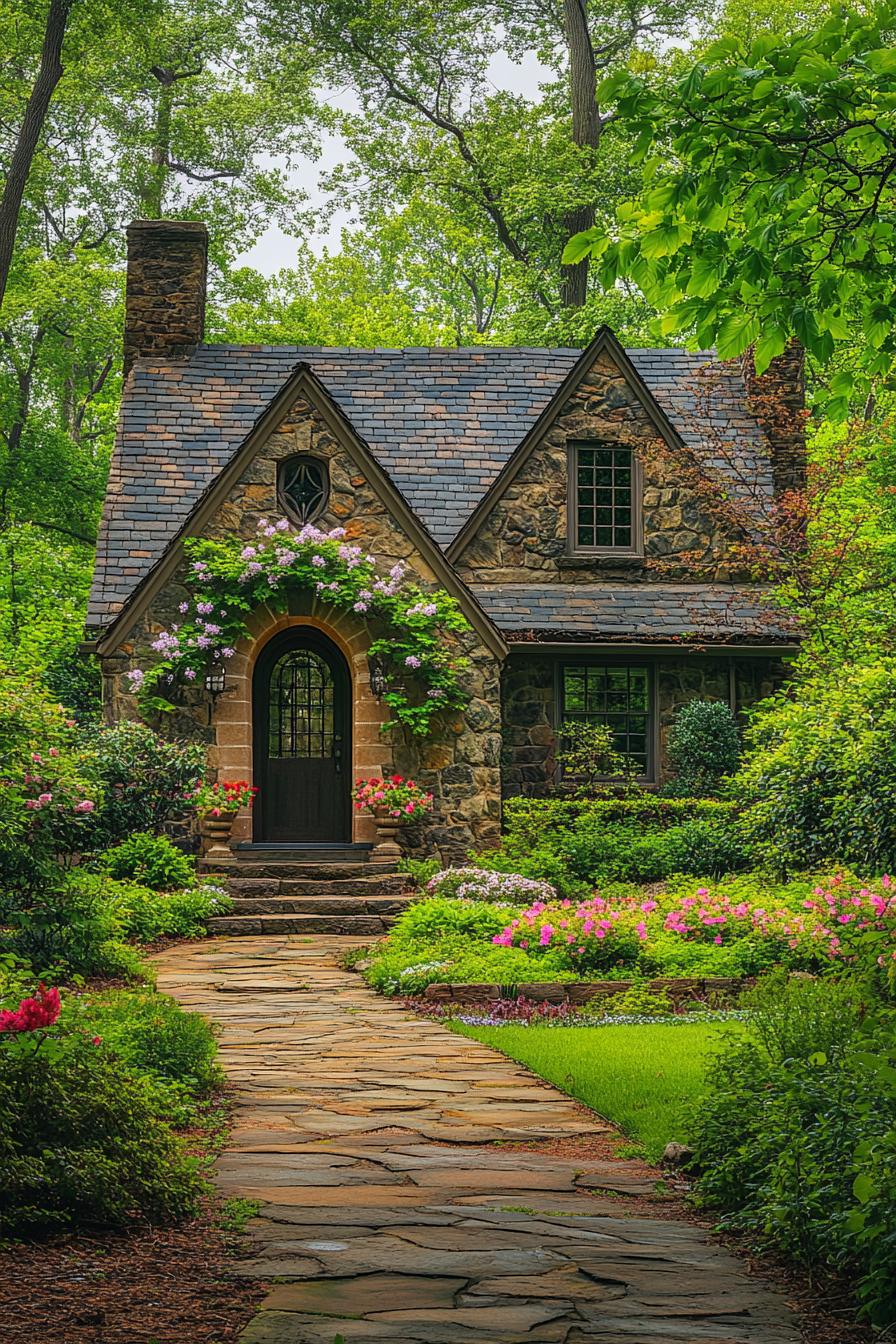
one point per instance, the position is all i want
(394, 801)
(216, 806)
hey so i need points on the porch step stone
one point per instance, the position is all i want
(359, 926)
(383, 906)
(297, 870)
(391, 883)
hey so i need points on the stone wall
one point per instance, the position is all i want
(461, 765)
(529, 691)
(688, 531)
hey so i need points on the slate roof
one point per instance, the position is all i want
(638, 613)
(442, 422)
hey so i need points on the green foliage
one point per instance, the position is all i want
(704, 746)
(419, 870)
(144, 914)
(795, 1136)
(151, 860)
(764, 214)
(819, 769)
(82, 1144)
(154, 1036)
(588, 753)
(72, 925)
(145, 779)
(416, 632)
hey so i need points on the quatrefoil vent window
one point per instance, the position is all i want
(303, 487)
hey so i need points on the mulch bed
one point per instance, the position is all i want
(145, 1285)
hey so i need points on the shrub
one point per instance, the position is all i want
(594, 851)
(531, 820)
(819, 770)
(481, 884)
(151, 860)
(704, 746)
(72, 925)
(145, 779)
(588, 753)
(146, 915)
(153, 1035)
(81, 1142)
(795, 1136)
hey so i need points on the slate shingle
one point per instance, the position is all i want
(442, 422)
(646, 612)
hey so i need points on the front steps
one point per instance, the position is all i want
(308, 889)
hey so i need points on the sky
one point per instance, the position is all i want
(276, 249)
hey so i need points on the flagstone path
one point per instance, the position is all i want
(364, 1131)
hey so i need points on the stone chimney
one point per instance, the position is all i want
(165, 296)
(778, 401)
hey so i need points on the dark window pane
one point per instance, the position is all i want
(604, 536)
(613, 695)
(604, 498)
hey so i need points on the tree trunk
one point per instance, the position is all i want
(586, 128)
(48, 76)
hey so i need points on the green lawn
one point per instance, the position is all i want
(642, 1078)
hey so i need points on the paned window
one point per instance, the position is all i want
(303, 487)
(604, 482)
(301, 710)
(614, 695)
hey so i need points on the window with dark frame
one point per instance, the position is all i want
(604, 502)
(302, 487)
(617, 696)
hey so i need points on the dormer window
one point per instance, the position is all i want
(605, 499)
(303, 486)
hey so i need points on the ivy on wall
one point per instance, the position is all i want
(229, 579)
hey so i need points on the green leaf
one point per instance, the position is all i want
(735, 334)
(863, 1188)
(772, 342)
(704, 279)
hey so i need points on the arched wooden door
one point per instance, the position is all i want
(301, 728)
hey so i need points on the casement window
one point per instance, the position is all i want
(604, 499)
(616, 695)
(303, 485)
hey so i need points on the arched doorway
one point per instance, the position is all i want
(301, 694)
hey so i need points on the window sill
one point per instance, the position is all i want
(602, 560)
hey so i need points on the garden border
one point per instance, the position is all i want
(580, 992)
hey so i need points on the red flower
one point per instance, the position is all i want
(33, 1014)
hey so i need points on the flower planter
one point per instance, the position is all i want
(215, 832)
(387, 849)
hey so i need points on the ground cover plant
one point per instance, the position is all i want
(644, 1079)
(740, 926)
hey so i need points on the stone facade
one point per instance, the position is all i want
(688, 530)
(461, 766)
(530, 695)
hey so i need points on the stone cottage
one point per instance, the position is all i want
(596, 514)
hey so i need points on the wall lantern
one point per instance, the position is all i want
(377, 671)
(215, 685)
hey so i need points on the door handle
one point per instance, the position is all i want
(337, 754)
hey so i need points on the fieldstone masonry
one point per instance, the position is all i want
(523, 538)
(461, 766)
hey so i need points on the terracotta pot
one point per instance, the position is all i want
(216, 833)
(387, 849)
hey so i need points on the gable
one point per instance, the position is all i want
(442, 423)
(362, 499)
(692, 504)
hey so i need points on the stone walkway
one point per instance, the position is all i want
(363, 1132)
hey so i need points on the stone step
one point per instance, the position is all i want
(285, 868)
(359, 926)
(382, 906)
(372, 885)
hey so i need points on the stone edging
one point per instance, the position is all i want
(582, 991)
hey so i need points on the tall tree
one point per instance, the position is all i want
(28, 133)
(775, 216)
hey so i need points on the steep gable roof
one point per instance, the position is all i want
(441, 422)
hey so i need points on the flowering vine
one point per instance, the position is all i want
(230, 579)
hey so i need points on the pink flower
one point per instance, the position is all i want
(85, 805)
(54, 751)
(45, 798)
